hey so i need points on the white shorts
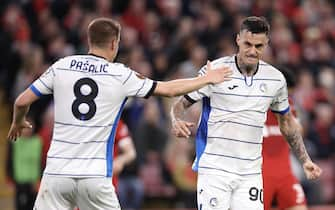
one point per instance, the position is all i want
(64, 193)
(225, 192)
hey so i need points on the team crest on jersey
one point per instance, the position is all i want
(263, 87)
(213, 202)
(139, 75)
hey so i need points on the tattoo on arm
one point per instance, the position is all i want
(290, 130)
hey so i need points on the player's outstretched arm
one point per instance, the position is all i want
(180, 128)
(182, 86)
(290, 129)
(21, 108)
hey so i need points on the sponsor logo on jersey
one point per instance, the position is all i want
(232, 87)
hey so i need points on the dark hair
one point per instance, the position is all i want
(102, 30)
(289, 76)
(255, 25)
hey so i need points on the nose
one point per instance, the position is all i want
(253, 51)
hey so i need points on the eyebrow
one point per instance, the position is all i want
(248, 43)
(256, 45)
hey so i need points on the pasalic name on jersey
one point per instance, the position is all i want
(88, 67)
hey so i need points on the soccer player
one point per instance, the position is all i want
(89, 93)
(229, 137)
(278, 180)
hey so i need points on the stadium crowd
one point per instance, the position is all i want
(167, 39)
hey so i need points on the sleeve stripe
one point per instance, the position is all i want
(45, 85)
(282, 112)
(187, 97)
(152, 89)
(127, 77)
(141, 87)
(35, 90)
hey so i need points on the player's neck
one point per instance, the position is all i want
(100, 53)
(246, 70)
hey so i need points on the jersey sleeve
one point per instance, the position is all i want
(280, 103)
(202, 92)
(45, 83)
(137, 85)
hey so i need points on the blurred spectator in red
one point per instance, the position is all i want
(135, 15)
(322, 130)
(124, 151)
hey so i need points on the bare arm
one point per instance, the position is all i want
(291, 130)
(182, 86)
(21, 108)
(180, 128)
(127, 155)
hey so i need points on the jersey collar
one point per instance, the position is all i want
(238, 68)
(97, 56)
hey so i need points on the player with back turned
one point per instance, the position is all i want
(229, 137)
(89, 94)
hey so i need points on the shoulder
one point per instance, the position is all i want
(119, 68)
(270, 72)
(223, 61)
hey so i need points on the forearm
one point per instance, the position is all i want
(181, 86)
(292, 133)
(22, 104)
(128, 152)
(126, 158)
(20, 113)
(178, 109)
(296, 142)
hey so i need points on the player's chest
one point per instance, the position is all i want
(240, 92)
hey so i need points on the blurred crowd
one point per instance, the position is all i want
(168, 39)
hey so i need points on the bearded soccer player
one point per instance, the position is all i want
(230, 133)
(278, 180)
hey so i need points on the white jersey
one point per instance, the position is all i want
(89, 95)
(229, 137)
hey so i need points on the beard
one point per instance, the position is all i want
(250, 68)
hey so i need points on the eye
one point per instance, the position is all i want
(259, 46)
(248, 44)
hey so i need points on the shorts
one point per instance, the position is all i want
(225, 192)
(86, 193)
(286, 189)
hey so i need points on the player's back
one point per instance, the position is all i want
(89, 94)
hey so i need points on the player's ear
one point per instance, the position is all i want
(238, 38)
(113, 44)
